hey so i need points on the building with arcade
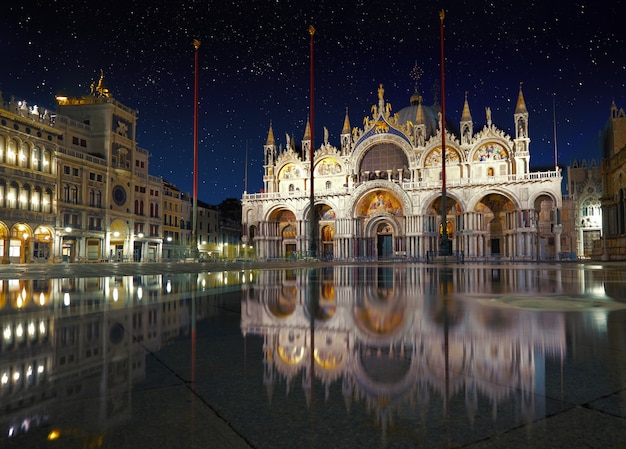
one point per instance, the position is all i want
(378, 194)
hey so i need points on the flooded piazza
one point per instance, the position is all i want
(326, 356)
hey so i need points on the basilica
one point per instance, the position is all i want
(378, 195)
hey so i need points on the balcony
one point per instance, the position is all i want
(410, 186)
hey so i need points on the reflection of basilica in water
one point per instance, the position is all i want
(397, 339)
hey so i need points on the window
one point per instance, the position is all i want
(66, 169)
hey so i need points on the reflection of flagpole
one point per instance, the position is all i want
(312, 216)
(445, 247)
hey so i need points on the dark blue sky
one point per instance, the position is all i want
(254, 59)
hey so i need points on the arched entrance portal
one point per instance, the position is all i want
(384, 240)
(379, 209)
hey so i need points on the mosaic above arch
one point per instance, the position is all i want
(290, 171)
(494, 203)
(379, 202)
(327, 166)
(451, 204)
(433, 158)
(490, 151)
(326, 213)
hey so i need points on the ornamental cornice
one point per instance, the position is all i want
(288, 156)
(327, 150)
(491, 132)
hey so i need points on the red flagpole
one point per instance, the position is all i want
(194, 246)
(312, 215)
(445, 248)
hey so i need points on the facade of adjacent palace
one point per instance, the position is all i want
(378, 195)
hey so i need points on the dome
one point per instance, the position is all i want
(431, 117)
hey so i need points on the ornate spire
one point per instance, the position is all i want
(466, 116)
(520, 108)
(307, 130)
(346, 124)
(270, 136)
(419, 118)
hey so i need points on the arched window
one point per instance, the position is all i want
(12, 196)
(74, 195)
(24, 155)
(46, 201)
(12, 152)
(46, 165)
(25, 195)
(35, 202)
(3, 193)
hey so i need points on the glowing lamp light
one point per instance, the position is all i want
(54, 435)
(68, 229)
(66, 299)
(116, 234)
(140, 235)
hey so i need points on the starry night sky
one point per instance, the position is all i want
(254, 70)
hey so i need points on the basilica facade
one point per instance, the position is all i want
(378, 195)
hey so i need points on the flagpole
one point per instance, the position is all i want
(556, 162)
(445, 246)
(194, 245)
(312, 216)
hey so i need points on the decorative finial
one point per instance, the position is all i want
(442, 14)
(311, 30)
(196, 44)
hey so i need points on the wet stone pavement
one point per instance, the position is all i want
(313, 355)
